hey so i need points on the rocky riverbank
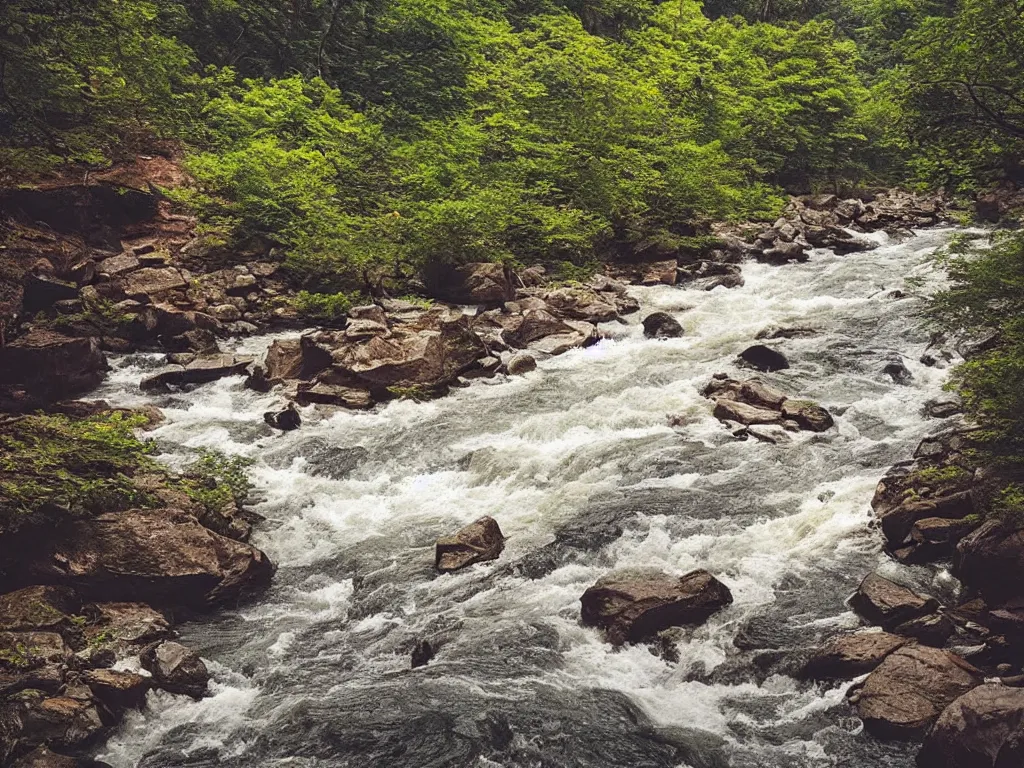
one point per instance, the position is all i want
(109, 268)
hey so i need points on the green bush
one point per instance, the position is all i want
(216, 480)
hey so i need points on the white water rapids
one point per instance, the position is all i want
(580, 467)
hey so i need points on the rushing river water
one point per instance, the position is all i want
(578, 463)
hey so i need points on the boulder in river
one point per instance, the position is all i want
(285, 420)
(991, 559)
(635, 604)
(117, 691)
(808, 415)
(521, 364)
(176, 668)
(202, 370)
(984, 728)
(162, 556)
(898, 372)
(764, 358)
(478, 542)
(887, 603)
(848, 656)
(910, 689)
(661, 325)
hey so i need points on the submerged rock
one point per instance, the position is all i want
(911, 688)
(984, 728)
(422, 653)
(634, 605)
(478, 542)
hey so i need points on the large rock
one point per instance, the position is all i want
(521, 364)
(296, 359)
(41, 292)
(849, 656)
(39, 609)
(783, 252)
(44, 366)
(478, 542)
(533, 325)
(117, 691)
(42, 757)
(898, 521)
(122, 627)
(480, 283)
(33, 719)
(911, 688)
(163, 556)
(734, 410)
(661, 325)
(581, 304)
(991, 559)
(633, 605)
(764, 358)
(324, 393)
(984, 728)
(176, 668)
(200, 371)
(809, 416)
(887, 604)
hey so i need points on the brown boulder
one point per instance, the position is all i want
(984, 728)
(898, 521)
(886, 603)
(809, 416)
(849, 656)
(991, 559)
(660, 273)
(633, 605)
(41, 757)
(202, 370)
(120, 626)
(117, 691)
(27, 649)
(176, 669)
(734, 410)
(478, 542)
(158, 555)
(49, 366)
(911, 688)
(661, 325)
(580, 304)
(296, 359)
(322, 393)
(532, 325)
(478, 283)
(39, 609)
(32, 719)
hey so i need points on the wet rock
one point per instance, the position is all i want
(991, 559)
(123, 626)
(808, 415)
(911, 688)
(117, 691)
(422, 653)
(43, 366)
(286, 420)
(898, 372)
(661, 325)
(847, 245)
(742, 413)
(296, 359)
(898, 521)
(981, 729)
(521, 364)
(940, 534)
(257, 380)
(580, 304)
(888, 604)
(533, 325)
(158, 555)
(934, 629)
(478, 542)
(849, 656)
(634, 605)
(41, 293)
(479, 283)
(321, 393)
(176, 668)
(153, 281)
(774, 332)
(944, 408)
(32, 719)
(202, 370)
(764, 358)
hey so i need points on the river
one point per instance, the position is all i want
(578, 463)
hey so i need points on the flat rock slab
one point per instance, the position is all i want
(633, 605)
(911, 688)
(849, 656)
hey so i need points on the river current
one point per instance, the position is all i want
(580, 466)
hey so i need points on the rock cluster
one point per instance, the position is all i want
(751, 403)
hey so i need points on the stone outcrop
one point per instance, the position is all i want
(480, 283)
(984, 728)
(752, 402)
(881, 601)
(991, 559)
(848, 656)
(479, 542)
(910, 689)
(176, 669)
(44, 366)
(163, 556)
(634, 605)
